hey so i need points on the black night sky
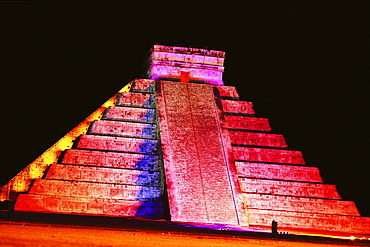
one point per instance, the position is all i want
(304, 65)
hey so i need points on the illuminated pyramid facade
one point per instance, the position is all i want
(184, 147)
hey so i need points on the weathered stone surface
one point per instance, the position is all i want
(103, 175)
(280, 172)
(112, 143)
(94, 190)
(110, 159)
(88, 206)
(288, 188)
(118, 128)
(196, 172)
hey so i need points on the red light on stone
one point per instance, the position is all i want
(105, 127)
(110, 159)
(88, 206)
(288, 188)
(130, 113)
(300, 204)
(280, 172)
(143, 85)
(227, 91)
(235, 106)
(184, 76)
(136, 99)
(94, 190)
(248, 123)
(112, 143)
(257, 139)
(269, 155)
(103, 175)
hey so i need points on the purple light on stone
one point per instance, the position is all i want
(202, 65)
(188, 50)
(211, 76)
(168, 56)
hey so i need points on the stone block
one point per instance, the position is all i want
(300, 204)
(310, 221)
(143, 85)
(110, 159)
(287, 188)
(136, 99)
(257, 139)
(88, 206)
(280, 172)
(248, 123)
(107, 127)
(227, 91)
(268, 155)
(236, 106)
(130, 113)
(113, 143)
(94, 190)
(103, 175)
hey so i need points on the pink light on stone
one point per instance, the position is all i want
(187, 50)
(227, 91)
(194, 59)
(212, 76)
(202, 65)
(279, 172)
(268, 155)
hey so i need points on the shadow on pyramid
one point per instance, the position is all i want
(182, 146)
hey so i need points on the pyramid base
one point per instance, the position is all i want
(157, 226)
(88, 206)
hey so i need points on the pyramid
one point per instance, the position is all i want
(182, 146)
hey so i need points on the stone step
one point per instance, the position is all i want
(143, 85)
(287, 188)
(257, 139)
(268, 155)
(227, 91)
(309, 221)
(108, 127)
(103, 175)
(248, 123)
(110, 159)
(113, 143)
(88, 206)
(236, 106)
(94, 190)
(280, 172)
(300, 204)
(136, 99)
(130, 113)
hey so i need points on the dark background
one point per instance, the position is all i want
(304, 64)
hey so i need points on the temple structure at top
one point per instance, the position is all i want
(187, 64)
(183, 147)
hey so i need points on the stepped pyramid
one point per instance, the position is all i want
(182, 146)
